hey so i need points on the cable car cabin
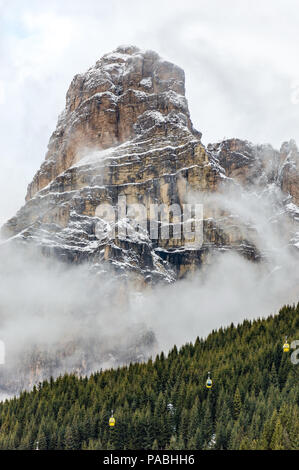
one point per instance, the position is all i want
(286, 347)
(112, 422)
(209, 383)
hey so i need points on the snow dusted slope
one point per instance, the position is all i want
(126, 132)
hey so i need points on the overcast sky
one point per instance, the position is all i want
(240, 58)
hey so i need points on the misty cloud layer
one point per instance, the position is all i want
(57, 318)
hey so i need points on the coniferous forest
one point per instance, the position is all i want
(164, 403)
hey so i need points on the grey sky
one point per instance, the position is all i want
(240, 59)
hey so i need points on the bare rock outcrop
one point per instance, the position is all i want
(126, 132)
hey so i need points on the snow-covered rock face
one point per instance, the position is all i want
(289, 175)
(126, 93)
(266, 174)
(126, 131)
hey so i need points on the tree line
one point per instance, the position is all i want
(164, 403)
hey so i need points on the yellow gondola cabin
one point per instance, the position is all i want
(286, 346)
(209, 382)
(112, 422)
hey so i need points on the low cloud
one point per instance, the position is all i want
(55, 317)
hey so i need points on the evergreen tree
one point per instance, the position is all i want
(237, 403)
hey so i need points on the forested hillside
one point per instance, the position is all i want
(164, 404)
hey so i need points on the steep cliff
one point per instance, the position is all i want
(126, 132)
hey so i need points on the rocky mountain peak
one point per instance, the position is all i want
(126, 133)
(127, 93)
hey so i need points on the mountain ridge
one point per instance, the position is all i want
(126, 131)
